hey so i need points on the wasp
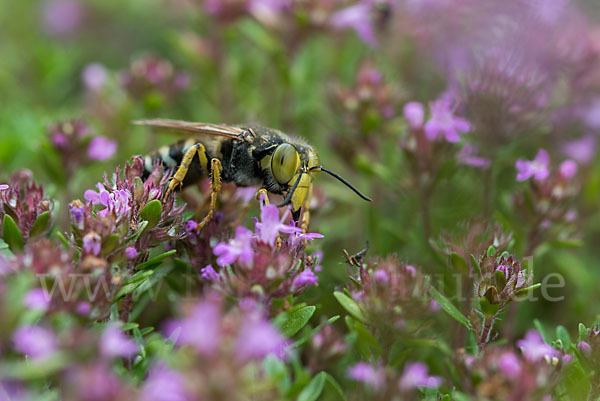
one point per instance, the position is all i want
(245, 155)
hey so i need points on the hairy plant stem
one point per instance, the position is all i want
(488, 324)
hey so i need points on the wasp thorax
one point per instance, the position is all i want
(285, 163)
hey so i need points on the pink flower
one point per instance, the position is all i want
(467, 156)
(201, 330)
(537, 168)
(582, 150)
(381, 276)
(94, 76)
(357, 17)
(62, 17)
(3, 187)
(415, 375)
(92, 243)
(131, 253)
(238, 249)
(115, 201)
(567, 169)
(534, 348)
(306, 277)
(114, 343)
(509, 365)
(34, 341)
(209, 273)
(443, 122)
(101, 148)
(414, 113)
(258, 338)
(37, 299)
(164, 384)
(363, 372)
(271, 225)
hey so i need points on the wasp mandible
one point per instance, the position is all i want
(245, 155)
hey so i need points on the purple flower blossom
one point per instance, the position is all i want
(258, 338)
(537, 168)
(509, 365)
(534, 348)
(582, 150)
(92, 243)
(208, 273)
(467, 156)
(77, 211)
(163, 384)
(363, 372)
(414, 113)
(567, 169)
(34, 341)
(238, 249)
(190, 226)
(271, 225)
(117, 201)
(83, 308)
(306, 277)
(357, 17)
(201, 329)
(415, 375)
(62, 17)
(443, 122)
(3, 187)
(584, 348)
(114, 343)
(131, 252)
(381, 276)
(94, 76)
(101, 148)
(37, 299)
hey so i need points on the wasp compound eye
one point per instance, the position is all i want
(285, 163)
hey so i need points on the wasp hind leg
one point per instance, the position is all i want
(184, 167)
(215, 188)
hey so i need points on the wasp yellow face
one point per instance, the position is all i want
(291, 167)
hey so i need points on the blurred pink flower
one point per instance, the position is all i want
(3, 187)
(581, 150)
(209, 273)
(94, 76)
(306, 277)
(415, 375)
(414, 113)
(201, 329)
(357, 17)
(364, 372)
(62, 17)
(510, 365)
(114, 343)
(538, 168)
(37, 299)
(567, 169)
(467, 156)
(91, 243)
(34, 341)
(163, 384)
(443, 122)
(101, 148)
(534, 348)
(258, 338)
(131, 252)
(240, 249)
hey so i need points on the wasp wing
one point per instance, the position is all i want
(202, 128)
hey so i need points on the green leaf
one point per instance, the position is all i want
(491, 251)
(458, 262)
(313, 390)
(539, 327)
(155, 261)
(308, 334)
(41, 225)
(582, 332)
(449, 308)
(335, 386)
(350, 305)
(110, 243)
(152, 213)
(291, 322)
(563, 335)
(12, 235)
(527, 289)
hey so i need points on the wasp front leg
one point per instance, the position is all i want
(306, 210)
(215, 172)
(186, 161)
(262, 196)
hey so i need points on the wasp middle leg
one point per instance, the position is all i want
(186, 161)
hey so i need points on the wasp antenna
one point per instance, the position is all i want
(346, 183)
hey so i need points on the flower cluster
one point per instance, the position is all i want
(503, 373)
(25, 211)
(263, 264)
(547, 205)
(153, 79)
(76, 146)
